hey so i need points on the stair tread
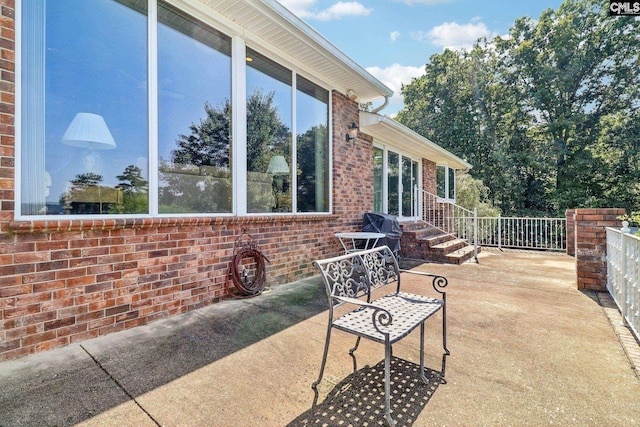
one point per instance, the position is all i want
(448, 243)
(461, 252)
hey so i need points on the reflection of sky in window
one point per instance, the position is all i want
(310, 112)
(257, 80)
(190, 74)
(92, 68)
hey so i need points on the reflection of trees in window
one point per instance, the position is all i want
(197, 178)
(135, 190)
(267, 136)
(311, 156)
(86, 195)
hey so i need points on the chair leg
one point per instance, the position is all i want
(353, 350)
(387, 383)
(314, 385)
(422, 376)
(444, 325)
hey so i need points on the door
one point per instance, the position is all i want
(396, 183)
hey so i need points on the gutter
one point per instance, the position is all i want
(386, 102)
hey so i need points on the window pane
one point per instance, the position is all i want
(377, 179)
(415, 193)
(312, 119)
(407, 187)
(441, 181)
(95, 162)
(269, 110)
(393, 184)
(452, 184)
(194, 116)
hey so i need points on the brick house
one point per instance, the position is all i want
(140, 138)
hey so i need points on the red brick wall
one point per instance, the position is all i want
(352, 166)
(591, 245)
(64, 281)
(7, 112)
(571, 231)
(429, 181)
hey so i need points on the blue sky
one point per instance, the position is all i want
(393, 39)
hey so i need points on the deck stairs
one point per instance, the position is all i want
(424, 242)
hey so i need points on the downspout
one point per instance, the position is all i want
(386, 102)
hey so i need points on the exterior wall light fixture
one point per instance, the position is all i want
(352, 133)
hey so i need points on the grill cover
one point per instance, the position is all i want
(374, 222)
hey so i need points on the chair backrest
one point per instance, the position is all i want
(383, 267)
(356, 274)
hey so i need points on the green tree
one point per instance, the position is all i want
(574, 67)
(471, 193)
(546, 116)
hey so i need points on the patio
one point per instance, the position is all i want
(527, 348)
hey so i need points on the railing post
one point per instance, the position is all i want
(500, 231)
(475, 234)
(623, 267)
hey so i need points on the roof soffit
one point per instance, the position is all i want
(270, 25)
(393, 134)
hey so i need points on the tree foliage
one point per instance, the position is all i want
(548, 116)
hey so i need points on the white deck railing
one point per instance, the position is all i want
(623, 274)
(548, 234)
(450, 218)
(502, 232)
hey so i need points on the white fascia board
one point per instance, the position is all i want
(304, 29)
(389, 132)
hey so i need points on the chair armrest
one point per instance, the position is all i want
(380, 316)
(438, 282)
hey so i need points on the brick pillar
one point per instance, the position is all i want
(591, 245)
(570, 214)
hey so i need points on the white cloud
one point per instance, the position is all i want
(452, 35)
(394, 35)
(299, 7)
(412, 2)
(305, 9)
(394, 77)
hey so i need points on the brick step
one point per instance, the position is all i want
(422, 241)
(449, 246)
(438, 240)
(414, 226)
(461, 255)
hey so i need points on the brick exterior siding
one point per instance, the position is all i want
(63, 281)
(591, 245)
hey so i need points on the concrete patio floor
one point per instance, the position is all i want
(527, 348)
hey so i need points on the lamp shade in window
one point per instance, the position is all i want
(89, 130)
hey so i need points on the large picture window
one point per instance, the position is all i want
(194, 116)
(127, 110)
(84, 127)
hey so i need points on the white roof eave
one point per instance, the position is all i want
(389, 132)
(273, 26)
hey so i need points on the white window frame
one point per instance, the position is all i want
(447, 171)
(238, 97)
(385, 179)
